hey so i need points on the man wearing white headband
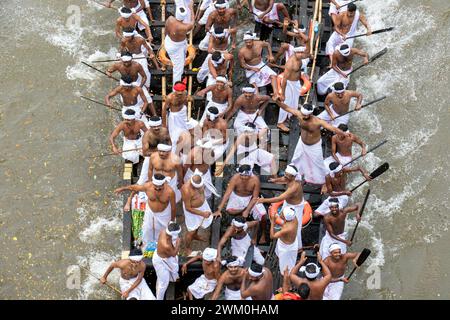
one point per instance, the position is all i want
(132, 136)
(215, 129)
(221, 98)
(238, 233)
(206, 283)
(137, 7)
(206, 8)
(128, 19)
(231, 279)
(216, 64)
(311, 273)
(256, 71)
(165, 258)
(308, 155)
(126, 66)
(257, 283)
(132, 282)
(175, 41)
(303, 44)
(267, 12)
(218, 39)
(341, 66)
(337, 263)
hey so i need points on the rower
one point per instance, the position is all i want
(205, 10)
(165, 258)
(238, 233)
(287, 292)
(126, 66)
(206, 283)
(132, 137)
(268, 12)
(292, 198)
(340, 68)
(241, 197)
(128, 19)
(337, 263)
(257, 283)
(335, 226)
(197, 213)
(215, 129)
(345, 26)
(308, 156)
(137, 7)
(175, 41)
(132, 282)
(218, 64)
(335, 186)
(221, 97)
(219, 39)
(160, 208)
(256, 71)
(231, 279)
(336, 8)
(311, 271)
(187, 139)
(337, 103)
(251, 108)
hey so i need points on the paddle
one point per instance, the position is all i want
(372, 59)
(115, 60)
(349, 3)
(112, 154)
(360, 213)
(377, 172)
(86, 64)
(107, 284)
(363, 106)
(373, 32)
(370, 150)
(100, 103)
(361, 259)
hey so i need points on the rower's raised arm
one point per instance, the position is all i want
(286, 108)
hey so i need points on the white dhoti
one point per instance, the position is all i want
(335, 123)
(220, 106)
(141, 292)
(330, 78)
(166, 271)
(327, 240)
(290, 52)
(207, 179)
(141, 13)
(234, 294)
(208, 6)
(219, 150)
(176, 124)
(239, 248)
(272, 15)
(195, 221)
(144, 64)
(292, 95)
(324, 208)
(298, 208)
(242, 118)
(287, 254)
(186, 5)
(203, 45)
(132, 156)
(333, 291)
(143, 176)
(254, 155)
(204, 69)
(334, 10)
(202, 286)
(153, 223)
(177, 54)
(173, 183)
(262, 77)
(239, 203)
(342, 159)
(336, 40)
(309, 161)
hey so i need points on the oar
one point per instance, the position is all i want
(363, 106)
(373, 32)
(112, 154)
(377, 172)
(104, 5)
(100, 103)
(368, 151)
(349, 3)
(107, 284)
(360, 213)
(87, 64)
(115, 60)
(361, 259)
(372, 59)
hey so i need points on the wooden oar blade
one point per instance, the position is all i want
(380, 170)
(363, 257)
(383, 30)
(378, 55)
(373, 101)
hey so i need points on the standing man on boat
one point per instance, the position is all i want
(257, 72)
(175, 41)
(137, 7)
(221, 97)
(257, 283)
(165, 258)
(231, 279)
(128, 19)
(214, 129)
(132, 282)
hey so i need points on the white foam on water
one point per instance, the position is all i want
(93, 233)
(82, 213)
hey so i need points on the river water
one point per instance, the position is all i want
(57, 208)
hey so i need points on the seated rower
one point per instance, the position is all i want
(128, 19)
(256, 71)
(220, 39)
(214, 129)
(221, 97)
(268, 12)
(287, 292)
(231, 279)
(257, 283)
(132, 282)
(206, 283)
(137, 7)
(242, 194)
(337, 103)
(126, 66)
(340, 68)
(206, 8)
(197, 213)
(132, 137)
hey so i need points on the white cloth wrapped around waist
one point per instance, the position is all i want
(173, 183)
(128, 144)
(309, 161)
(334, 10)
(194, 221)
(233, 294)
(166, 271)
(287, 254)
(239, 203)
(202, 286)
(298, 208)
(143, 176)
(257, 156)
(154, 222)
(342, 159)
(208, 7)
(324, 208)
(335, 123)
(239, 247)
(327, 240)
(207, 179)
(292, 95)
(203, 72)
(220, 106)
(336, 40)
(176, 124)
(141, 292)
(242, 118)
(262, 77)
(177, 54)
(143, 16)
(330, 78)
(219, 150)
(333, 291)
(272, 14)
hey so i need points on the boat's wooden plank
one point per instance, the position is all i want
(126, 219)
(168, 72)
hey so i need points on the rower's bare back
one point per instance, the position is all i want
(128, 269)
(344, 146)
(175, 29)
(133, 45)
(345, 23)
(344, 63)
(338, 183)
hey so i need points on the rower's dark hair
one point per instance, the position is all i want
(132, 298)
(128, 29)
(250, 124)
(351, 7)
(312, 268)
(125, 10)
(256, 267)
(159, 176)
(173, 226)
(292, 165)
(220, 1)
(155, 118)
(343, 127)
(127, 78)
(336, 200)
(216, 55)
(219, 29)
(333, 165)
(244, 167)
(339, 86)
(135, 252)
(182, 10)
(240, 219)
(179, 81)
(344, 46)
(303, 291)
(125, 53)
(130, 112)
(231, 259)
(213, 110)
(308, 106)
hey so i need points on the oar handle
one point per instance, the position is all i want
(369, 151)
(106, 283)
(100, 103)
(351, 273)
(363, 106)
(361, 212)
(102, 72)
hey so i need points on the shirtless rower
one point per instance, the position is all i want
(311, 270)
(215, 130)
(308, 156)
(341, 67)
(175, 41)
(337, 7)
(335, 226)
(160, 208)
(206, 7)
(303, 44)
(337, 263)
(138, 7)
(218, 64)
(165, 258)
(337, 103)
(132, 282)
(176, 103)
(238, 234)
(257, 72)
(345, 26)
(132, 136)
(126, 66)
(257, 283)
(231, 279)
(206, 283)
(268, 12)
(242, 194)
(128, 19)
(221, 97)
(197, 213)
(341, 147)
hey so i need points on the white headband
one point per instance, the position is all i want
(338, 91)
(305, 111)
(248, 89)
(219, 35)
(164, 147)
(333, 246)
(336, 170)
(221, 5)
(221, 79)
(173, 234)
(152, 123)
(291, 170)
(289, 213)
(201, 183)
(312, 275)
(211, 116)
(124, 84)
(128, 116)
(130, 34)
(249, 36)
(209, 254)
(238, 224)
(239, 262)
(249, 129)
(125, 15)
(158, 182)
(344, 52)
(136, 258)
(299, 49)
(333, 203)
(254, 273)
(180, 15)
(126, 58)
(216, 63)
(246, 173)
